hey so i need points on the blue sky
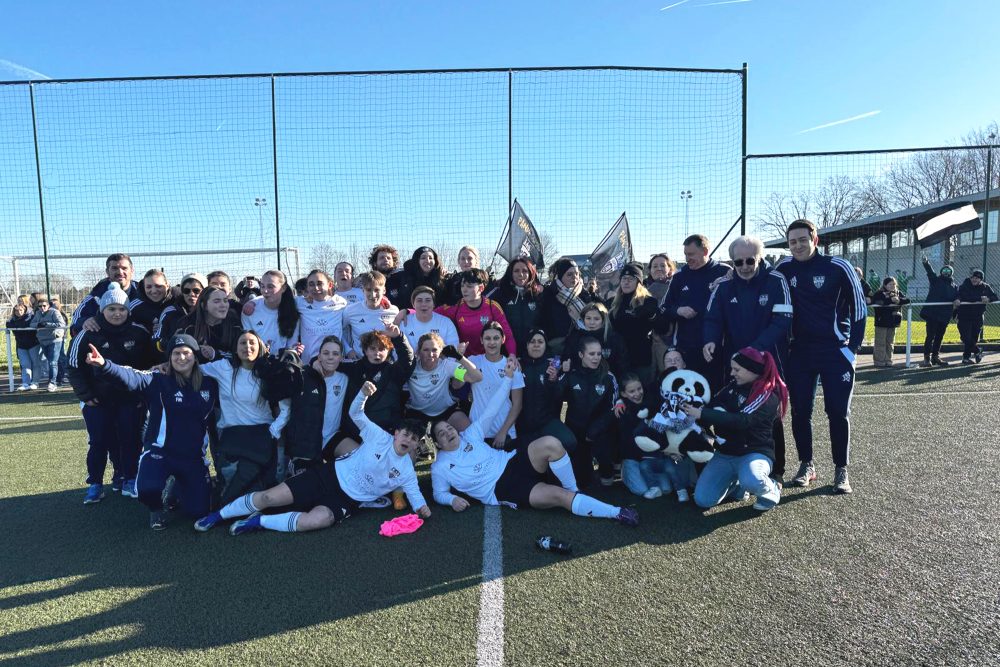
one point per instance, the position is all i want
(911, 73)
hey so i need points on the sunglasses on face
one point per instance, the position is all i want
(191, 290)
(749, 261)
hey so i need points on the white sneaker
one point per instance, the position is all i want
(52, 386)
(23, 387)
(683, 496)
(652, 492)
(33, 386)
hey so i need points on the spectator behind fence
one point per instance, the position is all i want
(27, 344)
(942, 290)
(50, 325)
(975, 294)
(888, 302)
(56, 304)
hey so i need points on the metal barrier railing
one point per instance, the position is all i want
(8, 335)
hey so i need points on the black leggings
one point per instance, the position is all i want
(935, 335)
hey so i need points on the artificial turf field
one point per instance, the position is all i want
(903, 572)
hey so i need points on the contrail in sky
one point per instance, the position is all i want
(21, 70)
(676, 4)
(868, 114)
(723, 2)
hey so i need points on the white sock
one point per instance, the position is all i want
(562, 468)
(587, 506)
(283, 523)
(242, 506)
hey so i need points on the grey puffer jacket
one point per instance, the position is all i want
(50, 326)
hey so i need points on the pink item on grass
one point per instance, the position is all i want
(408, 523)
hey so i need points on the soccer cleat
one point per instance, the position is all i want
(207, 522)
(250, 524)
(652, 492)
(979, 357)
(805, 475)
(95, 493)
(628, 516)
(398, 500)
(157, 520)
(128, 489)
(841, 482)
(683, 496)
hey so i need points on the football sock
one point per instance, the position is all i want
(242, 506)
(562, 468)
(586, 506)
(283, 523)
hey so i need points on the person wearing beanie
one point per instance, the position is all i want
(182, 305)
(943, 291)
(113, 416)
(185, 398)
(119, 269)
(632, 312)
(741, 416)
(562, 301)
(973, 295)
(751, 308)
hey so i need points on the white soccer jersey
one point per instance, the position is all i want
(359, 319)
(474, 467)
(265, 322)
(319, 319)
(353, 295)
(333, 411)
(438, 324)
(429, 389)
(375, 469)
(493, 378)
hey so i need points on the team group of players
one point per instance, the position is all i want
(482, 368)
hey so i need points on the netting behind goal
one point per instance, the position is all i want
(330, 165)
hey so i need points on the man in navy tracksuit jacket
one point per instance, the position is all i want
(828, 326)
(119, 270)
(751, 308)
(685, 304)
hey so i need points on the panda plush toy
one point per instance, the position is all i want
(670, 430)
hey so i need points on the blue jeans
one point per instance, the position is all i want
(662, 472)
(723, 474)
(28, 359)
(51, 352)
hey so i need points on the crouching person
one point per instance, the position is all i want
(742, 416)
(181, 402)
(515, 479)
(325, 495)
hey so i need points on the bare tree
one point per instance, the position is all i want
(324, 257)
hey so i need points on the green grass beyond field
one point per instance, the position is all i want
(903, 572)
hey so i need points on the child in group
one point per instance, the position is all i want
(590, 392)
(888, 302)
(597, 324)
(372, 314)
(326, 495)
(646, 474)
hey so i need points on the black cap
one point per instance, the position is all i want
(979, 274)
(178, 340)
(632, 269)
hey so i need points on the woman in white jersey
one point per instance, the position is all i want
(492, 365)
(274, 315)
(320, 313)
(515, 479)
(439, 369)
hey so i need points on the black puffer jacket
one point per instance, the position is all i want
(542, 401)
(590, 396)
(942, 289)
(25, 339)
(889, 315)
(385, 406)
(974, 293)
(746, 427)
(304, 432)
(125, 344)
(521, 308)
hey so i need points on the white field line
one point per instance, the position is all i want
(41, 418)
(489, 644)
(920, 394)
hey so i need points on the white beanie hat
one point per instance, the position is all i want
(114, 295)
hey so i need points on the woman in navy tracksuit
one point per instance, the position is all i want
(113, 416)
(181, 402)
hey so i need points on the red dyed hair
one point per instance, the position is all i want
(769, 382)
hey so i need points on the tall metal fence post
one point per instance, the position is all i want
(510, 139)
(909, 335)
(274, 157)
(743, 165)
(38, 176)
(10, 362)
(986, 205)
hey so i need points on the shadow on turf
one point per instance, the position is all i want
(27, 426)
(935, 377)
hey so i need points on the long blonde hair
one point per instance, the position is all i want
(638, 298)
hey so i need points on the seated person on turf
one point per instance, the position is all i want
(742, 416)
(184, 398)
(515, 479)
(327, 494)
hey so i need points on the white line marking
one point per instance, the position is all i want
(39, 418)
(920, 394)
(489, 645)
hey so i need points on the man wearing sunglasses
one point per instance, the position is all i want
(751, 307)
